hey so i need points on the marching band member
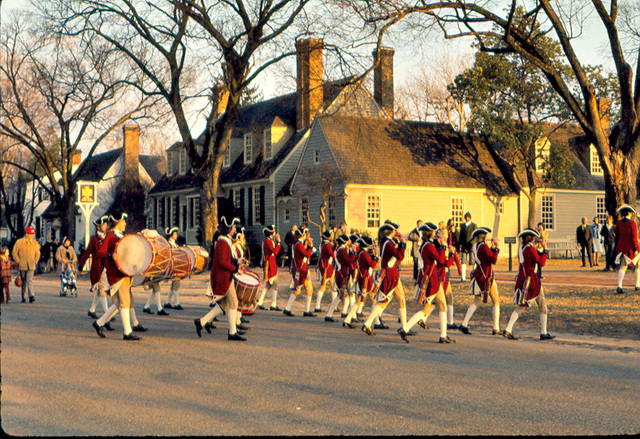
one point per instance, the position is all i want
(154, 286)
(325, 267)
(223, 267)
(344, 262)
(239, 252)
(388, 284)
(466, 242)
(173, 298)
(119, 284)
(366, 261)
(430, 287)
(271, 248)
(353, 284)
(483, 284)
(528, 288)
(626, 238)
(97, 275)
(302, 251)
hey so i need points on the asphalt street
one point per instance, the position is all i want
(299, 376)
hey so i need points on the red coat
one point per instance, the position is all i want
(97, 263)
(388, 251)
(223, 266)
(527, 269)
(105, 252)
(325, 264)
(301, 256)
(486, 258)
(442, 271)
(354, 265)
(346, 259)
(429, 273)
(626, 237)
(269, 252)
(365, 263)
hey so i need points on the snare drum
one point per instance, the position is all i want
(181, 263)
(136, 254)
(247, 285)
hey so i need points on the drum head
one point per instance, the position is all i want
(247, 278)
(192, 256)
(133, 254)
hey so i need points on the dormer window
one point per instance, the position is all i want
(542, 153)
(248, 148)
(594, 161)
(316, 156)
(171, 165)
(266, 143)
(182, 161)
(226, 161)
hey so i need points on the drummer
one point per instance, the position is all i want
(119, 283)
(172, 239)
(238, 251)
(223, 266)
(96, 274)
(271, 248)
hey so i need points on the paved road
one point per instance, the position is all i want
(300, 376)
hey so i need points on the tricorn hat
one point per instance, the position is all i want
(391, 223)
(480, 231)
(100, 221)
(269, 230)
(625, 209)
(171, 230)
(365, 241)
(123, 216)
(354, 237)
(326, 235)
(428, 227)
(342, 239)
(528, 231)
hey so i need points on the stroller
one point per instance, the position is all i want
(68, 280)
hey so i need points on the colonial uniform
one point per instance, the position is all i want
(325, 268)
(97, 273)
(344, 264)
(626, 236)
(483, 284)
(528, 288)
(173, 298)
(270, 250)
(302, 251)
(366, 262)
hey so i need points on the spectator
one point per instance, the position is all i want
(54, 248)
(26, 253)
(414, 237)
(65, 254)
(290, 240)
(596, 230)
(45, 257)
(5, 274)
(465, 243)
(608, 239)
(584, 237)
(541, 244)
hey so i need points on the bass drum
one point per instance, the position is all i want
(136, 254)
(182, 263)
(200, 257)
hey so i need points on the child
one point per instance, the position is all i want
(5, 274)
(69, 277)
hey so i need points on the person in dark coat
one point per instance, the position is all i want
(290, 239)
(584, 238)
(608, 237)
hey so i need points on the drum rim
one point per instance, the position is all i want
(115, 252)
(250, 273)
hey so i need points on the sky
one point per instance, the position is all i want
(591, 47)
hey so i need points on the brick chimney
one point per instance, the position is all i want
(76, 159)
(383, 80)
(604, 108)
(310, 92)
(131, 135)
(219, 99)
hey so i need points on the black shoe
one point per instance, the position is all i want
(147, 311)
(464, 329)
(178, 307)
(236, 337)
(139, 328)
(108, 327)
(131, 336)
(167, 305)
(348, 325)
(318, 310)
(243, 319)
(547, 337)
(97, 327)
(286, 312)
(112, 319)
(452, 326)
(360, 316)
(411, 332)
(198, 327)
(637, 288)
(359, 319)
(446, 340)
(22, 301)
(308, 314)
(619, 290)
(403, 335)
(423, 324)
(212, 304)
(92, 315)
(162, 312)
(261, 307)
(275, 308)
(367, 330)
(343, 315)
(496, 332)
(242, 327)
(32, 299)
(208, 326)
(380, 326)
(509, 335)
(329, 319)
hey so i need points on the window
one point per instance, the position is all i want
(182, 161)
(236, 198)
(457, 210)
(331, 210)
(161, 212)
(373, 211)
(287, 215)
(226, 161)
(594, 161)
(501, 208)
(248, 148)
(601, 210)
(193, 207)
(43, 195)
(304, 209)
(268, 148)
(316, 156)
(171, 163)
(542, 153)
(547, 209)
(175, 218)
(256, 205)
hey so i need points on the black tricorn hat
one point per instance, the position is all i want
(428, 227)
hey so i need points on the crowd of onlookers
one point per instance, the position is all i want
(597, 240)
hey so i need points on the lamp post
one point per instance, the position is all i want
(87, 200)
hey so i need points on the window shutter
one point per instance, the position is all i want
(241, 213)
(250, 199)
(262, 192)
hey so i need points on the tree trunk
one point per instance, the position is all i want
(209, 207)
(68, 212)
(620, 182)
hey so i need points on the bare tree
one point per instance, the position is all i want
(324, 180)
(60, 95)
